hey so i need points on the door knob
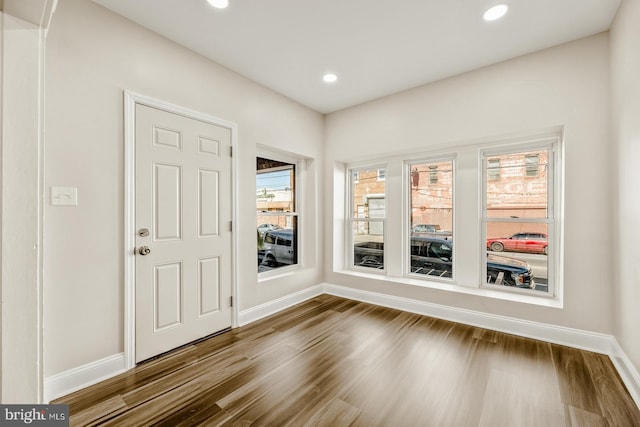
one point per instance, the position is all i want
(144, 250)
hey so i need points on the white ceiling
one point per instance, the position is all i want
(375, 47)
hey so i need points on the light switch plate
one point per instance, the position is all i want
(64, 196)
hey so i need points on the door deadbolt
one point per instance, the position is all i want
(144, 250)
(143, 232)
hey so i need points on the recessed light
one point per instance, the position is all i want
(495, 12)
(329, 78)
(219, 4)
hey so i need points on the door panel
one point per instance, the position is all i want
(167, 202)
(183, 196)
(167, 296)
(208, 189)
(209, 285)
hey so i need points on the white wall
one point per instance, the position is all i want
(565, 86)
(92, 57)
(625, 97)
(21, 210)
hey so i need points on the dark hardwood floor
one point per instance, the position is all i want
(336, 362)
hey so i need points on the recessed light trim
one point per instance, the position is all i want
(219, 4)
(495, 12)
(330, 78)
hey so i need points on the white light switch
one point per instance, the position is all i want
(64, 196)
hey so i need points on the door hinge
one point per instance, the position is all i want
(230, 225)
(231, 151)
(231, 301)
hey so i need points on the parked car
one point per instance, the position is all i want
(430, 230)
(433, 257)
(535, 243)
(263, 228)
(279, 247)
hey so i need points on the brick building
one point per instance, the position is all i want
(516, 188)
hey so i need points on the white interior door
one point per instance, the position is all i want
(183, 235)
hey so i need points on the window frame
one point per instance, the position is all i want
(299, 164)
(553, 218)
(353, 177)
(409, 164)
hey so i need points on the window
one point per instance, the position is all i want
(433, 174)
(431, 219)
(519, 219)
(367, 213)
(276, 213)
(469, 219)
(380, 174)
(493, 169)
(531, 164)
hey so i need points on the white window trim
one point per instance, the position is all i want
(406, 242)
(554, 202)
(468, 280)
(349, 241)
(300, 180)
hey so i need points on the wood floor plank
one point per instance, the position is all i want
(336, 362)
(105, 409)
(581, 418)
(621, 412)
(336, 413)
(577, 387)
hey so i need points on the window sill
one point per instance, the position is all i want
(540, 300)
(278, 273)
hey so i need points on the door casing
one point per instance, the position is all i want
(130, 101)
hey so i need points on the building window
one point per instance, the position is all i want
(493, 169)
(367, 215)
(484, 227)
(531, 164)
(430, 251)
(381, 173)
(519, 218)
(433, 174)
(276, 214)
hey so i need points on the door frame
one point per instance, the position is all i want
(132, 99)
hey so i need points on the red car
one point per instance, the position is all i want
(535, 243)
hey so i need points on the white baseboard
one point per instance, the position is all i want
(83, 376)
(627, 371)
(584, 340)
(271, 307)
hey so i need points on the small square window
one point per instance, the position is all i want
(493, 169)
(531, 165)
(433, 174)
